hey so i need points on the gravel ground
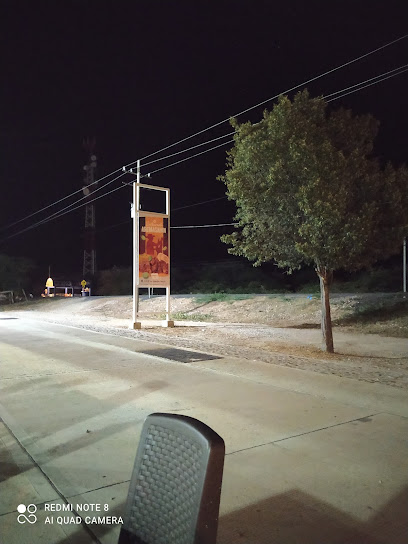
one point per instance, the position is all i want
(362, 357)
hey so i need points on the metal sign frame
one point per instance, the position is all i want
(137, 213)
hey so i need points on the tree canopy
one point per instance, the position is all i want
(308, 190)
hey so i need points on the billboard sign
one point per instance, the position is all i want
(154, 254)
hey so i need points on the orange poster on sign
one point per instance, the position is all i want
(154, 262)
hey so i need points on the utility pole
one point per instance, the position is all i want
(89, 263)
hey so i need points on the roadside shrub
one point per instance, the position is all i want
(375, 280)
(115, 281)
(310, 288)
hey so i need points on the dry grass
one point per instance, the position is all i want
(377, 313)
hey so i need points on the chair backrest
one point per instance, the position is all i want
(175, 489)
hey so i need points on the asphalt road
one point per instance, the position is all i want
(310, 458)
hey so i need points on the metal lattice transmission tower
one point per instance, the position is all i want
(89, 264)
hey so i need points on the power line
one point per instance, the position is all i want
(198, 203)
(356, 87)
(189, 148)
(192, 156)
(213, 126)
(174, 227)
(274, 97)
(172, 211)
(204, 226)
(86, 198)
(60, 200)
(371, 79)
(185, 159)
(109, 227)
(57, 215)
(65, 210)
(360, 86)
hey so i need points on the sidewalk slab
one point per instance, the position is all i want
(374, 397)
(112, 499)
(21, 481)
(311, 489)
(310, 458)
(42, 531)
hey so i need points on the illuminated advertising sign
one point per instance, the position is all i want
(154, 255)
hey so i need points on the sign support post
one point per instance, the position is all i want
(151, 268)
(169, 323)
(136, 207)
(404, 266)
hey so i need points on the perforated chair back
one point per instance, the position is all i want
(175, 489)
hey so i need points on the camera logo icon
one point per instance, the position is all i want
(31, 509)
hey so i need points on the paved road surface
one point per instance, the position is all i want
(310, 458)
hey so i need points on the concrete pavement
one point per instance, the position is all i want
(310, 458)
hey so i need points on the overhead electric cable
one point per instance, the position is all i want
(191, 157)
(189, 148)
(355, 88)
(360, 86)
(367, 80)
(85, 203)
(108, 183)
(274, 97)
(109, 227)
(204, 226)
(216, 124)
(58, 201)
(86, 198)
(230, 141)
(376, 79)
(198, 203)
(56, 215)
(172, 211)
(171, 226)
(185, 159)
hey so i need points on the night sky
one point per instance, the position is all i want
(139, 76)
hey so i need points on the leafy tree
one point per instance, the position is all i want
(309, 191)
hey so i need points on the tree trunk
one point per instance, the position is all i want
(326, 277)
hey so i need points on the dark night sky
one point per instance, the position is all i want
(141, 75)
